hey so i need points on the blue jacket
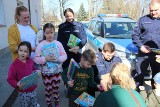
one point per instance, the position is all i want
(75, 28)
(147, 32)
(104, 66)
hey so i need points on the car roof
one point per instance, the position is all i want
(113, 19)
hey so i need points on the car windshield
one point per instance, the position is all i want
(118, 29)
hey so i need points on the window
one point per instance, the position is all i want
(2, 15)
(97, 28)
(92, 25)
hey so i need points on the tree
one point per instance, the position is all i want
(82, 15)
(62, 5)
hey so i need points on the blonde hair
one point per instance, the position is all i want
(120, 75)
(18, 12)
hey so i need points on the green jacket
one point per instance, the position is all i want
(118, 97)
(82, 79)
(151, 99)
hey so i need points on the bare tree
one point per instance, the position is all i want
(63, 4)
(130, 7)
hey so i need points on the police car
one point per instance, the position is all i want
(115, 28)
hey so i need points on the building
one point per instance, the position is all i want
(7, 12)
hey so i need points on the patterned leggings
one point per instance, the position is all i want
(28, 99)
(52, 84)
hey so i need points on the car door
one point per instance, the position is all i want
(97, 32)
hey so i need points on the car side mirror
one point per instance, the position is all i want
(107, 34)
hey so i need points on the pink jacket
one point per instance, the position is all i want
(40, 59)
(18, 70)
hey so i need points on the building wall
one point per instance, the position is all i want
(9, 11)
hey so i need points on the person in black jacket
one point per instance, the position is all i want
(70, 26)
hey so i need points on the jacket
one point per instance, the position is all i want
(18, 70)
(147, 32)
(103, 66)
(14, 39)
(118, 97)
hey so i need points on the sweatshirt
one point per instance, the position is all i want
(82, 79)
(18, 70)
(40, 58)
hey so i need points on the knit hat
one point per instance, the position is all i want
(157, 78)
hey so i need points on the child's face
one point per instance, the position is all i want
(23, 52)
(108, 55)
(49, 34)
(85, 64)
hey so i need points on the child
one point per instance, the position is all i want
(21, 67)
(106, 59)
(82, 77)
(153, 97)
(51, 63)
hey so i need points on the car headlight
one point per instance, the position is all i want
(130, 56)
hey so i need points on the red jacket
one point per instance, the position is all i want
(18, 70)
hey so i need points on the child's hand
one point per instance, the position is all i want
(48, 58)
(20, 86)
(104, 85)
(39, 73)
(70, 83)
(100, 88)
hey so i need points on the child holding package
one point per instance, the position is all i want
(152, 99)
(50, 54)
(21, 67)
(82, 77)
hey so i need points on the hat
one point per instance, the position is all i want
(157, 78)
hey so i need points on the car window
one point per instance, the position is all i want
(119, 28)
(92, 25)
(97, 28)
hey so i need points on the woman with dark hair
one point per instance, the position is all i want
(70, 26)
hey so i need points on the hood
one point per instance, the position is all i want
(124, 43)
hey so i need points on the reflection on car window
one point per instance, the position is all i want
(119, 28)
(91, 25)
(97, 28)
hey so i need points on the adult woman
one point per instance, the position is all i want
(21, 31)
(71, 27)
(121, 94)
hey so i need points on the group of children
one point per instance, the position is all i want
(24, 66)
(83, 77)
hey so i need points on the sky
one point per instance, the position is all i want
(75, 4)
